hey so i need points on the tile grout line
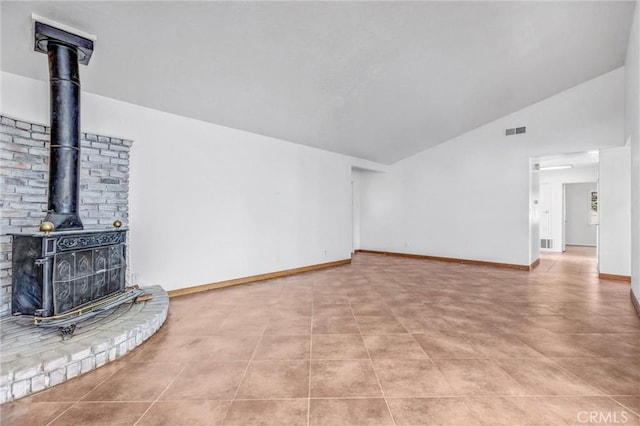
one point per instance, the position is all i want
(384, 398)
(450, 396)
(495, 364)
(160, 395)
(566, 370)
(235, 395)
(436, 366)
(87, 393)
(465, 397)
(310, 361)
(633, 410)
(442, 374)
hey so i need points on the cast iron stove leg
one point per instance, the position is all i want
(67, 331)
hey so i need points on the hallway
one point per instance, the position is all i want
(384, 341)
(576, 260)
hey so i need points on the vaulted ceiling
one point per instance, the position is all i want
(375, 80)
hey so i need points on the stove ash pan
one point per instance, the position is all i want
(57, 273)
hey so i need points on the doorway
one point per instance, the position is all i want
(580, 225)
(568, 184)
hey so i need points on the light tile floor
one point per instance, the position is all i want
(383, 341)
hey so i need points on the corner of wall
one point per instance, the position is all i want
(632, 131)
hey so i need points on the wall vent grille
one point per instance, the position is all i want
(515, 131)
(546, 243)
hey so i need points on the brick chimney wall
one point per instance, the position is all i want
(24, 171)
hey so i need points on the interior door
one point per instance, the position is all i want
(545, 211)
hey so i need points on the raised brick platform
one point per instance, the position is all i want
(34, 358)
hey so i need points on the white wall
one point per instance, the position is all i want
(469, 197)
(355, 190)
(632, 133)
(209, 203)
(555, 180)
(545, 213)
(615, 211)
(578, 227)
(534, 212)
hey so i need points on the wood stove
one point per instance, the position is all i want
(65, 273)
(58, 273)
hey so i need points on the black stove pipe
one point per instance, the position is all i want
(65, 51)
(64, 161)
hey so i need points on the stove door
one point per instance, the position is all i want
(84, 276)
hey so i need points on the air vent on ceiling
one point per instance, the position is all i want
(515, 131)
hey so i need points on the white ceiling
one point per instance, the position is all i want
(375, 80)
